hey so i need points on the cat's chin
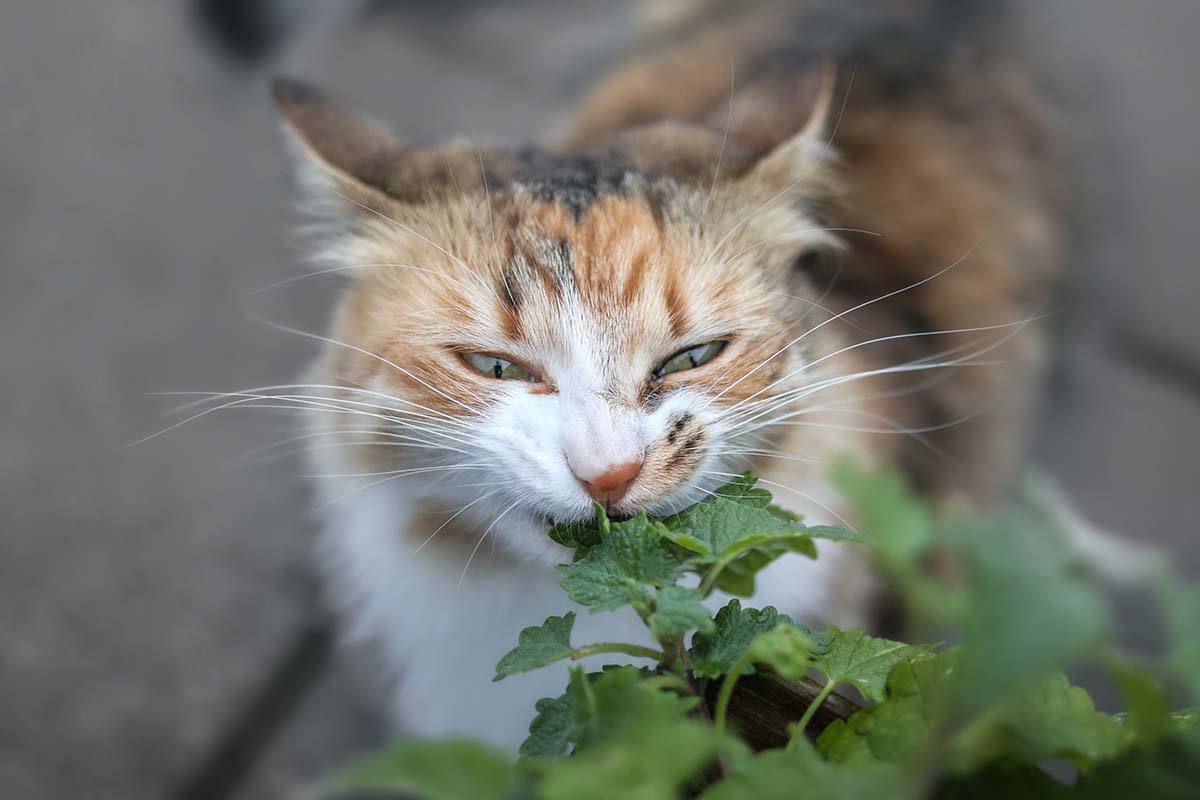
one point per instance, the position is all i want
(527, 539)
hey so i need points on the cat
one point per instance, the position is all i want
(771, 237)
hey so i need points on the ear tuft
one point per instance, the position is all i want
(799, 154)
(349, 154)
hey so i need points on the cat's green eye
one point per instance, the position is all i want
(689, 359)
(499, 368)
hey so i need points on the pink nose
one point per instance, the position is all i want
(611, 485)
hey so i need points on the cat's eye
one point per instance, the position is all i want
(689, 359)
(499, 368)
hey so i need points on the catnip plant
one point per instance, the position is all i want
(835, 713)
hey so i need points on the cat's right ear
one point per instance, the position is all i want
(343, 159)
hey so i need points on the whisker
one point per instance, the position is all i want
(471, 557)
(447, 522)
(720, 154)
(327, 405)
(371, 485)
(862, 305)
(405, 228)
(895, 337)
(441, 418)
(318, 337)
(348, 267)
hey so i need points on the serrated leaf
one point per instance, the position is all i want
(610, 704)
(863, 661)
(634, 741)
(677, 610)
(736, 532)
(785, 649)
(538, 646)
(733, 520)
(714, 654)
(550, 730)
(653, 761)
(1051, 720)
(450, 769)
(617, 571)
(897, 729)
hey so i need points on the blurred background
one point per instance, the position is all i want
(160, 629)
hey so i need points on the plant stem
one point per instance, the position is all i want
(798, 732)
(722, 706)
(669, 681)
(618, 647)
(710, 578)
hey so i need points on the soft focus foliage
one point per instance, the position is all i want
(974, 720)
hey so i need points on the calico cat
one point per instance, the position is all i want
(845, 253)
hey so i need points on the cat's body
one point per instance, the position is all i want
(643, 310)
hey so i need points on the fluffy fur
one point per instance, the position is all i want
(867, 251)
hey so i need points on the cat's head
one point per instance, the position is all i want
(533, 331)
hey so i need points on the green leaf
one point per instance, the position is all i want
(1148, 719)
(1185, 719)
(737, 522)
(609, 704)
(897, 729)
(450, 769)
(550, 731)
(1050, 720)
(1005, 783)
(633, 741)
(863, 661)
(785, 649)
(1170, 771)
(899, 524)
(538, 646)
(653, 761)
(617, 571)
(582, 533)
(1179, 606)
(714, 654)
(1029, 610)
(787, 775)
(677, 610)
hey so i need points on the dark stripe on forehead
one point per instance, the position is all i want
(563, 268)
(509, 292)
(673, 299)
(573, 181)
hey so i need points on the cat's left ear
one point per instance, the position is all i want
(340, 154)
(794, 136)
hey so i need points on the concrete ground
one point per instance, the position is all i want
(156, 602)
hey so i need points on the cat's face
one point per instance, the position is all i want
(576, 331)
